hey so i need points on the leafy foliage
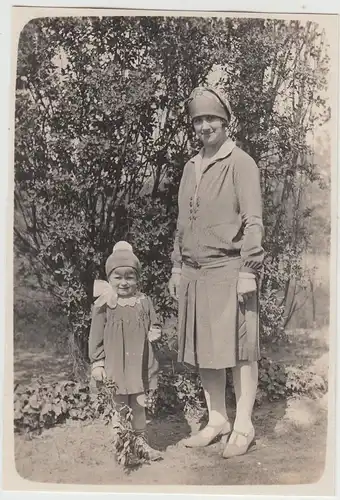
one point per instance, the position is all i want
(127, 447)
(277, 381)
(176, 392)
(299, 381)
(41, 406)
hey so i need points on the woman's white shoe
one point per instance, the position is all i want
(207, 435)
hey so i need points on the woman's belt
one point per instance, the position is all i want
(212, 263)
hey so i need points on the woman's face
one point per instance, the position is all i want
(209, 129)
(124, 281)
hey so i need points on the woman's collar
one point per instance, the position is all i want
(223, 152)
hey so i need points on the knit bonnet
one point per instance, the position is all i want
(122, 256)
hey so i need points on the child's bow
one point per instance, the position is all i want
(105, 293)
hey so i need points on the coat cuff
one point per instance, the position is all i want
(100, 362)
(247, 275)
(248, 270)
(176, 270)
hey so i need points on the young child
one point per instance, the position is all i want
(124, 324)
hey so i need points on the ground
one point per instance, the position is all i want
(81, 454)
(290, 434)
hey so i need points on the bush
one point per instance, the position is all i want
(302, 382)
(177, 392)
(40, 406)
(272, 380)
(277, 381)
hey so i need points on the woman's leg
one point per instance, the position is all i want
(214, 384)
(245, 378)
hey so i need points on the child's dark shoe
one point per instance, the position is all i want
(149, 453)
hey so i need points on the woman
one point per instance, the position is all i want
(217, 259)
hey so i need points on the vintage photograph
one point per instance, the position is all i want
(172, 249)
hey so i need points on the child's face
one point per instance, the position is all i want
(124, 281)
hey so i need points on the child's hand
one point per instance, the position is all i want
(98, 373)
(154, 334)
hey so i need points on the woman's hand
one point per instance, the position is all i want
(174, 283)
(98, 373)
(246, 285)
(154, 334)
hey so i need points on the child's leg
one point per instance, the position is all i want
(138, 414)
(120, 400)
(139, 426)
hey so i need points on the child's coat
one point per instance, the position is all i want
(119, 342)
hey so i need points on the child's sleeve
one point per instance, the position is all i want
(96, 337)
(154, 319)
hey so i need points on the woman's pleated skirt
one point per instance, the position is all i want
(215, 330)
